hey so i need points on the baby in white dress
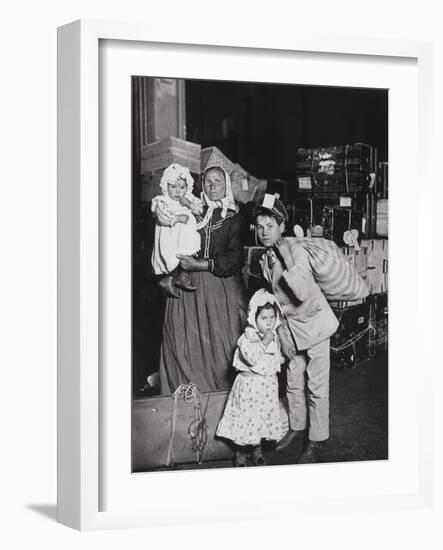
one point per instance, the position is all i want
(179, 205)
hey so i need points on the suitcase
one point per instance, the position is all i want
(381, 321)
(377, 274)
(343, 181)
(163, 430)
(307, 213)
(166, 431)
(343, 359)
(383, 180)
(357, 157)
(353, 332)
(336, 220)
(382, 218)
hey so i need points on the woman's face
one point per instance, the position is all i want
(214, 185)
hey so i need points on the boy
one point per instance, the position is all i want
(311, 323)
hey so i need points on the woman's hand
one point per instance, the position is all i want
(284, 250)
(164, 218)
(189, 263)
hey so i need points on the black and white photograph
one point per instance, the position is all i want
(259, 274)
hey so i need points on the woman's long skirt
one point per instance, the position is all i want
(200, 334)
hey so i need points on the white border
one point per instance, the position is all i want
(78, 275)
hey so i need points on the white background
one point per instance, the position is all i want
(396, 476)
(28, 274)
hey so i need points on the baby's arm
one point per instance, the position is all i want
(194, 204)
(180, 218)
(163, 216)
(171, 217)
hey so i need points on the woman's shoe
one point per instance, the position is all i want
(257, 457)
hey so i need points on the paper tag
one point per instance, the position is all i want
(354, 238)
(244, 184)
(268, 201)
(347, 238)
(363, 225)
(305, 182)
(346, 201)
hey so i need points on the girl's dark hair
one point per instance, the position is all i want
(268, 305)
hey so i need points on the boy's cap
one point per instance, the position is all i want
(271, 205)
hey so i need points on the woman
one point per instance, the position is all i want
(201, 329)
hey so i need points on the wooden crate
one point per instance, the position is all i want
(160, 154)
(382, 217)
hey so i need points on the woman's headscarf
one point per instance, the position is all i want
(226, 203)
(259, 299)
(174, 172)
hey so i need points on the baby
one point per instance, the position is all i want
(179, 205)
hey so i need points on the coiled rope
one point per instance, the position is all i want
(197, 429)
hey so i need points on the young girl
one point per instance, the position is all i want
(179, 205)
(252, 411)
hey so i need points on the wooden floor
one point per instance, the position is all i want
(359, 419)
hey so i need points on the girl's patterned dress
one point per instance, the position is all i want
(252, 411)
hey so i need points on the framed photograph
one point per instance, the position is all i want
(195, 182)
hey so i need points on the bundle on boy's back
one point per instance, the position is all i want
(334, 274)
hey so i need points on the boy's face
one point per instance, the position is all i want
(177, 189)
(269, 230)
(266, 320)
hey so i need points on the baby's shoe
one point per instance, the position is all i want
(183, 280)
(167, 285)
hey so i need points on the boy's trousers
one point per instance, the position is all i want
(308, 396)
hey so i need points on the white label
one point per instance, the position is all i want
(304, 183)
(346, 201)
(244, 184)
(268, 201)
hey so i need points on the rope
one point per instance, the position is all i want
(197, 429)
(356, 338)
